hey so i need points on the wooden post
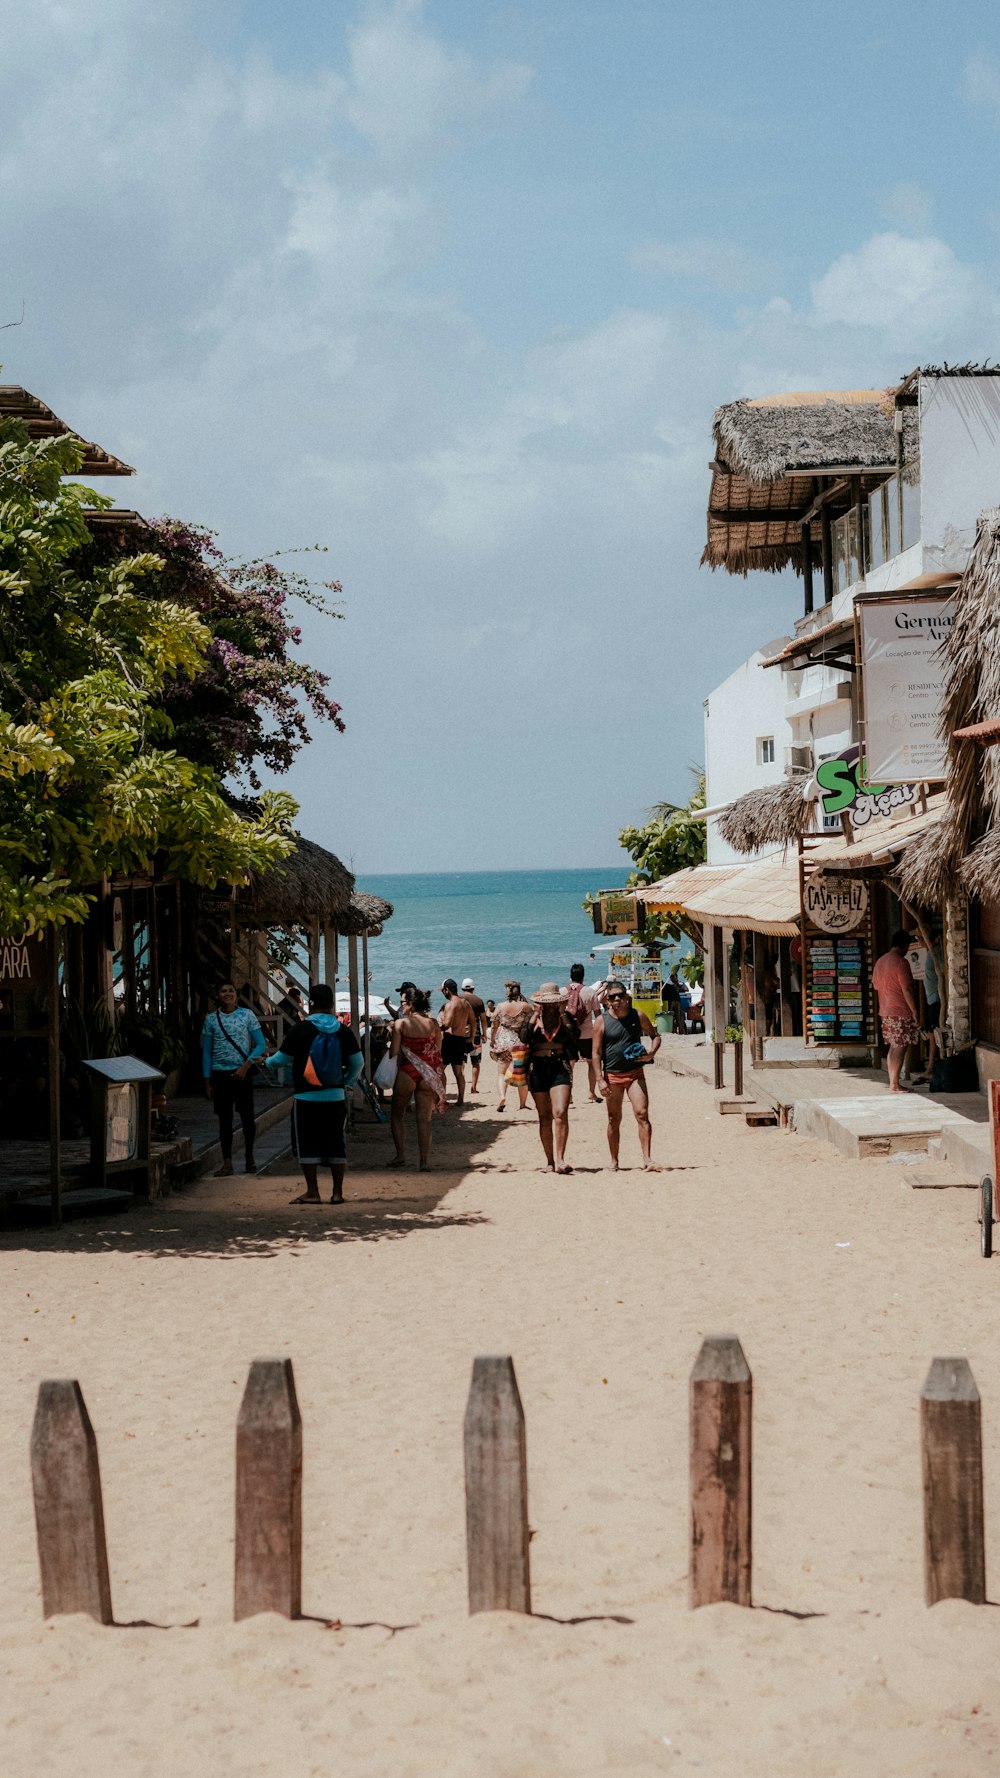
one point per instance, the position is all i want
(717, 986)
(738, 1069)
(367, 1046)
(995, 1133)
(828, 588)
(496, 1490)
(352, 980)
(69, 1511)
(313, 950)
(952, 1462)
(807, 566)
(269, 1493)
(330, 955)
(759, 1009)
(721, 1411)
(720, 1055)
(785, 989)
(54, 1058)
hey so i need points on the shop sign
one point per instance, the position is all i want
(835, 903)
(22, 961)
(616, 913)
(902, 684)
(842, 787)
(640, 970)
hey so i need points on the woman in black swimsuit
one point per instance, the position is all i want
(553, 1041)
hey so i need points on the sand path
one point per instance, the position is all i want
(842, 1284)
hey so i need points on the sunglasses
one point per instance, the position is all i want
(617, 996)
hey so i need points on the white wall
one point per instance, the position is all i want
(745, 707)
(959, 465)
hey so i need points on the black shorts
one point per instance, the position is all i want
(546, 1072)
(318, 1132)
(932, 1016)
(475, 1057)
(586, 1048)
(453, 1050)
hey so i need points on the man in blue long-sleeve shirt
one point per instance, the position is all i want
(231, 1043)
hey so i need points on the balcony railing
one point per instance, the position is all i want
(866, 536)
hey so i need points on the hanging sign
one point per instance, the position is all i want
(22, 962)
(841, 787)
(617, 913)
(902, 683)
(834, 902)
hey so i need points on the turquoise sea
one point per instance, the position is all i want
(488, 924)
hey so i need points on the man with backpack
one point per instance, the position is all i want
(326, 1059)
(580, 1004)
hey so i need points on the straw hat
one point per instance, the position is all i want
(549, 994)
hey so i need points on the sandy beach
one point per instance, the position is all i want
(841, 1282)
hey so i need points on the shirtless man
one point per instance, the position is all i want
(479, 1036)
(620, 1057)
(458, 1023)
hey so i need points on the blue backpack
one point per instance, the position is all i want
(325, 1061)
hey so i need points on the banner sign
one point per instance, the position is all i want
(842, 787)
(22, 962)
(900, 640)
(616, 913)
(834, 903)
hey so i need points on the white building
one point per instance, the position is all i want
(858, 491)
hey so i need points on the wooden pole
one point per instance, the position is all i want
(352, 980)
(330, 955)
(368, 1033)
(738, 1069)
(719, 1063)
(717, 987)
(952, 1462)
(313, 949)
(496, 1490)
(269, 1493)
(785, 989)
(759, 1009)
(54, 1055)
(69, 1511)
(807, 566)
(721, 1412)
(828, 587)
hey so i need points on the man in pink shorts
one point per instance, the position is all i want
(892, 979)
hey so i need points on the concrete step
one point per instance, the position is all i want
(736, 1107)
(968, 1148)
(872, 1127)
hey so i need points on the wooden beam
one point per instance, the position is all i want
(69, 1509)
(952, 1464)
(759, 1011)
(756, 515)
(268, 1566)
(827, 546)
(807, 568)
(496, 1490)
(721, 1406)
(785, 988)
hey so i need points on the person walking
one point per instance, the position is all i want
(457, 1022)
(620, 1058)
(505, 1037)
(326, 1059)
(479, 1035)
(231, 1044)
(416, 1045)
(553, 1041)
(892, 979)
(580, 1004)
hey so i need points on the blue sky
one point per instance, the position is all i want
(454, 289)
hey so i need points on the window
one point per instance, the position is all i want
(765, 750)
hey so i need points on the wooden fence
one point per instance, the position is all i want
(69, 1510)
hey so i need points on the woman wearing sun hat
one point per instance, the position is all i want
(553, 1042)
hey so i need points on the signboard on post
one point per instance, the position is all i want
(899, 643)
(841, 788)
(618, 913)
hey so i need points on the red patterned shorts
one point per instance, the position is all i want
(898, 1033)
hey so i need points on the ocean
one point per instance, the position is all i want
(491, 925)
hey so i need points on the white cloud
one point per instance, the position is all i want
(982, 81)
(718, 265)
(912, 291)
(907, 206)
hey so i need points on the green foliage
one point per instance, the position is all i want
(86, 653)
(670, 840)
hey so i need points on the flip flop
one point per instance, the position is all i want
(305, 1199)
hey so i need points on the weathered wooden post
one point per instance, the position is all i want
(952, 1462)
(720, 1079)
(69, 1510)
(496, 1490)
(269, 1493)
(738, 1068)
(721, 1409)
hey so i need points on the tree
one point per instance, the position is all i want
(245, 706)
(671, 840)
(88, 653)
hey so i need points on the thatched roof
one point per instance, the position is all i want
(774, 816)
(980, 869)
(366, 914)
(311, 884)
(769, 455)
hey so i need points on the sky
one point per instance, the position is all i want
(454, 289)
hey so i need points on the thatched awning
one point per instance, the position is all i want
(310, 885)
(759, 897)
(769, 455)
(19, 404)
(670, 894)
(777, 815)
(367, 914)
